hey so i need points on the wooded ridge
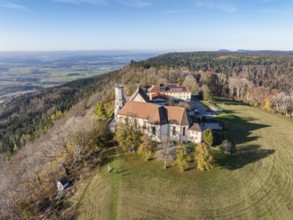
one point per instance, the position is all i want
(259, 80)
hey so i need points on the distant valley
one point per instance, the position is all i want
(25, 72)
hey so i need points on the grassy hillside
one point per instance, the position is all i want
(255, 183)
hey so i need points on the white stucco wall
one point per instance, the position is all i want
(185, 96)
(178, 132)
(119, 100)
(140, 123)
(158, 135)
(195, 136)
(138, 98)
(163, 130)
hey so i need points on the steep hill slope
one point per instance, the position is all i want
(27, 117)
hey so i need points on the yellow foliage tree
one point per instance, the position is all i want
(181, 158)
(203, 158)
(57, 115)
(147, 148)
(267, 105)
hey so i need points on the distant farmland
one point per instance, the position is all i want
(28, 72)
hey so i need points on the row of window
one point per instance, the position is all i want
(154, 132)
(174, 131)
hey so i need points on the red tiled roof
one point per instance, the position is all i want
(155, 114)
(195, 127)
(168, 88)
(159, 95)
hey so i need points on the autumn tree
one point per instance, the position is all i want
(101, 112)
(226, 147)
(267, 105)
(26, 209)
(207, 94)
(203, 157)
(191, 83)
(181, 158)
(128, 137)
(147, 148)
(208, 137)
(57, 115)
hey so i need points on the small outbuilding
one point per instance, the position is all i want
(62, 184)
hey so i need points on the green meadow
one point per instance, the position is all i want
(255, 182)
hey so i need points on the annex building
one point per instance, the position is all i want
(175, 91)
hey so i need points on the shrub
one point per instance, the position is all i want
(226, 147)
(147, 148)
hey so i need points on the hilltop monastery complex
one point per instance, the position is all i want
(159, 121)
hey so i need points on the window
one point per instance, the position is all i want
(144, 124)
(135, 123)
(154, 130)
(184, 131)
(174, 130)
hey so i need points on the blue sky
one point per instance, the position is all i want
(168, 25)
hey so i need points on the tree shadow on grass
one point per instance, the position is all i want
(109, 155)
(225, 101)
(123, 171)
(239, 130)
(190, 168)
(246, 155)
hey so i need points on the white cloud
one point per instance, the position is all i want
(136, 3)
(223, 5)
(79, 2)
(13, 6)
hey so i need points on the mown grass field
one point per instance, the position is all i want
(254, 183)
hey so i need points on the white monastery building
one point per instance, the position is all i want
(159, 122)
(175, 91)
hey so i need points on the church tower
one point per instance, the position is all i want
(119, 98)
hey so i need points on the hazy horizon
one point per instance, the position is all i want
(125, 52)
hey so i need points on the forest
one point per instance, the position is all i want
(260, 80)
(29, 116)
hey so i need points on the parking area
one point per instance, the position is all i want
(203, 110)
